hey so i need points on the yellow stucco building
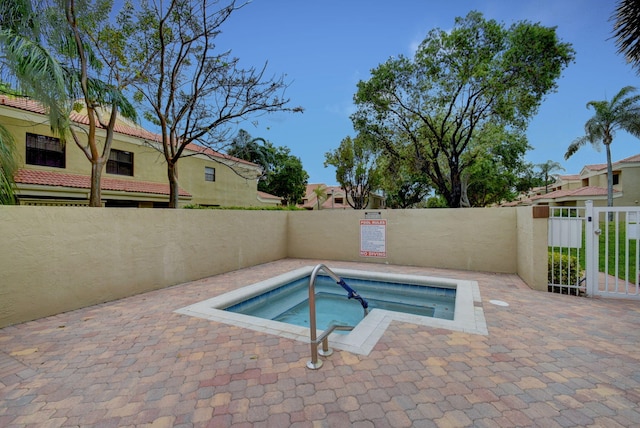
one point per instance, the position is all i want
(53, 173)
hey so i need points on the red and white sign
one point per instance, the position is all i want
(373, 238)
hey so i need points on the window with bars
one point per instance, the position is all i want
(209, 174)
(120, 162)
(45, 151)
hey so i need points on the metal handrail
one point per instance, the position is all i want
(314, 363)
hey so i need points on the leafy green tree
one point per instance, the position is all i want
(287, 178)
(283, 174)
(94, 44)
(621, 113)
(193, 91)
(440, 102)
(357, 172)
(626, 31)
(546, 171)
(436, 202)
(528, 178)
(499, 160)
(404, 185)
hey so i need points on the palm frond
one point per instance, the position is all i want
(627, 31)
(8, 167)
(574, 146)
(40, 76)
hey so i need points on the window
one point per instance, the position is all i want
(339, 200)
(120, 163)
(616, 179)
(209, 174)
(45, 151)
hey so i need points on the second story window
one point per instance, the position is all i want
(616, 179)
(209, 174)
(45, 151)
(120, 163)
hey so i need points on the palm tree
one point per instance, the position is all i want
(37, 71)
(34, 72)
(7, 167)
(546, 169)
(627, 30)
(621, 113)
(32, 68)
(321, 193)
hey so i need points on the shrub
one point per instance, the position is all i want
(563, 270)
(258, 208)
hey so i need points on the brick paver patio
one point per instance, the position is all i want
(549, 360)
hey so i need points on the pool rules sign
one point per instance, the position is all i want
(373, 238)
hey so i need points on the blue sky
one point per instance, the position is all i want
(326, 47)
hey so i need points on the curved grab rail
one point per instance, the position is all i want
(314, 363)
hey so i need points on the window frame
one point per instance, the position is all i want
(209, 174)
(44, 156)
(118, 166)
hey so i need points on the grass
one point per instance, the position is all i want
(607, 252)
(627, 259)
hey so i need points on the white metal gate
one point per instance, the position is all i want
(595, 250)
(613, 255)
(566, 250)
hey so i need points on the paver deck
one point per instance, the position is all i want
(549, 360)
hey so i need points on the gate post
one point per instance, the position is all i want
(591, 261)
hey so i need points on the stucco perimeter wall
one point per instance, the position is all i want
(480, 239)
(55, 259)
(532, 246)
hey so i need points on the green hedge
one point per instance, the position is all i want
(564, 269)
(259, 208)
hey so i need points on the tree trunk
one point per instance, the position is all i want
(464, 198)
(174, 188)
(456, 191)
(609, 177)
(95, 195)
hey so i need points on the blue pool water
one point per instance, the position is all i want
(289, 303)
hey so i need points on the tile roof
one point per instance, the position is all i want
(581, 192)
(630, 159)
(123, 126)
(52, 178)
(601, 166)
(570, 177)
(265, 195)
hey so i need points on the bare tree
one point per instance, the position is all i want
(193, 91)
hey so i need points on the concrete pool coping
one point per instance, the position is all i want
(468, 316)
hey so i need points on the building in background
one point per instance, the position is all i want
(53, 173)
(591, 184)
(334, 197)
